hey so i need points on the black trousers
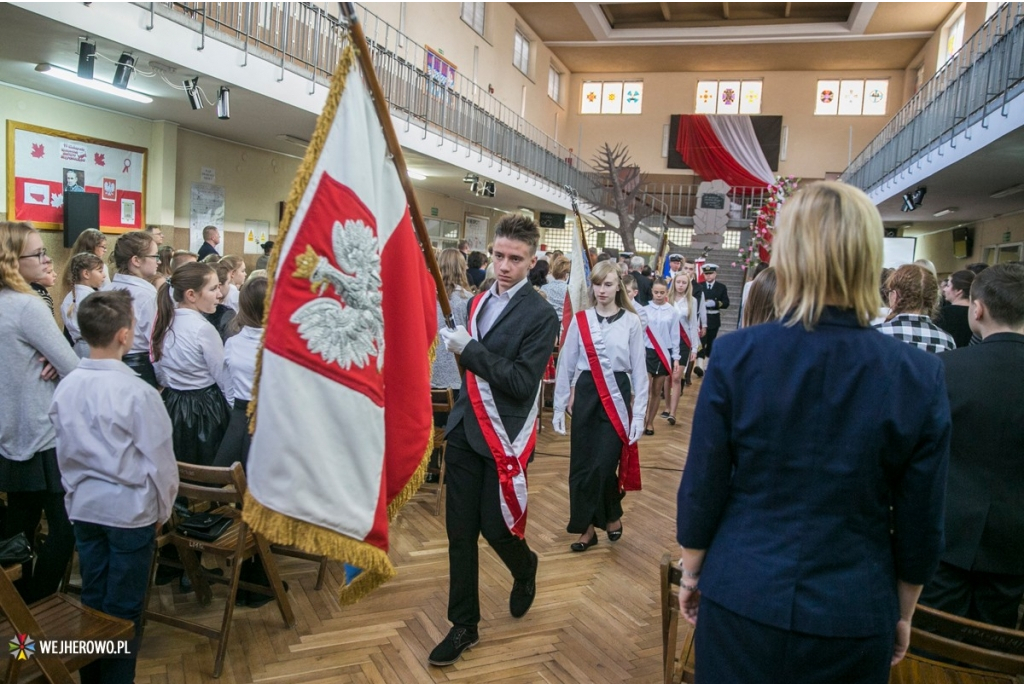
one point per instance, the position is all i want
(730, 648)
(987, 597)
(473, 507)
(24, 511)
(709, 338)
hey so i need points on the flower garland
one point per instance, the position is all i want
(759, 249)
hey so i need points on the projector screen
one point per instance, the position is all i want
(898, 251)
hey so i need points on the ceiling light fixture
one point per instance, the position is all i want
(72, 77)
(123, 72)
(192, 91)
(416, 176)
(944, 212)
(224, 103)
(86, 59)
(1006, 192)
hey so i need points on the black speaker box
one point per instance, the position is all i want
(81, 211)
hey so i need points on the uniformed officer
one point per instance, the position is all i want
(716, 298)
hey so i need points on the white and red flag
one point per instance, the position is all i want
(343, 421)
(577, 291)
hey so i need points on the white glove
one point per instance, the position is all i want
(636, 429)
(455, 340)
(558, 422)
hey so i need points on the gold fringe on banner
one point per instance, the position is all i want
(413, 486)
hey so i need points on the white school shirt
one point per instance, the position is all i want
(640, 312)
(624, 343)
(143, 303)
(495, 306)
(114, 447)
(231, 300)
(663, 322)
(69, 312)
(240, 361)
(193, 354)
(692, 320)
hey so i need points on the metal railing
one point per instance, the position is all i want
(973, 84)
(307, 40)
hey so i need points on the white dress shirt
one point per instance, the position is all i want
(144, 303)
(240, 361)
(691, 319)
(641, 312)
(495, 306)
(114, 446)
(69, 312)
(231, 300)
(663, 322)
(193, 354)
(624, 345)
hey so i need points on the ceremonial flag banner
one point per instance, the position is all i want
(343, 422)
(577, 292)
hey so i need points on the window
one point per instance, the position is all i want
(852, 97)
(952, 39)
(612, 97)
(554, 83)
(559, 239)
(728, 97)
(521, 53)
(473, 14)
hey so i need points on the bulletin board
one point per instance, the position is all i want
(43, 164)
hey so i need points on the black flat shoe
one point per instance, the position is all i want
(665, 414)
(671, 420)
(648, 431)
(614, 535)
(584, 546)
(698, 372)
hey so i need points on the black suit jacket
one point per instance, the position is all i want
(985, 492)
(205, 250)
(644, 287)
(717, 293)
(512, 358)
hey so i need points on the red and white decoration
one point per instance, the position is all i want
(723, 147)
(43, 160)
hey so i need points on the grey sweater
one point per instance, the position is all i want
(27, 332)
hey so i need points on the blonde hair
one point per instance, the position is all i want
(560, 268)
(688, 293)
(452, 264)
(13, 235)
(599, 273)
(231, 261)
(827, 252)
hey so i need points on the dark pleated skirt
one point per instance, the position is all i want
(654, 366)
(595, 448)
(199, 419)
(235, 445)
(38, 474)
(140, 364)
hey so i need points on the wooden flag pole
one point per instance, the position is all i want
(579, 222)
(384, 116)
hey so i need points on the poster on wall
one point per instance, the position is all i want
(476, 232)
(441, 72)
(43, 164)
(256, 233)
(207, 209)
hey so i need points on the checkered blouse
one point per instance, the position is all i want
(918, 330)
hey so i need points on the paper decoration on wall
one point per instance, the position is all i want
(851, 95)
(707, 97)
(611, 97)
(827, 102)
(876, 97)
(590, 103)
(207, 209)
(729, 97)
(256, 233)
(632, 97)
(750, 97)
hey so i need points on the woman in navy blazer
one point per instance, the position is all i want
(806, 432)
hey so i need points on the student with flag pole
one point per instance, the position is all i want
(662, 347)
(492, 430)
(605, 348)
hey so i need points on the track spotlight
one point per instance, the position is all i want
(86, 59)
(192, 91)
(123, 72)
(224, 103)
(908, 203)
(912, 201)
(470, 178)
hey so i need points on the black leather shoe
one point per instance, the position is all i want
(614, 535)
(584, 546)
(671, 420)
(522, 592)
(453, 645)
(698, 372)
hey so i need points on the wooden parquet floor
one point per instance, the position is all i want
(595, 618)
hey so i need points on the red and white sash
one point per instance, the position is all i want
(684, 336)
(657, 347)
(611, 397)
(510, 456)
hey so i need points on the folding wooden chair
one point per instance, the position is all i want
(217, 486)
(441, 400)
(56, 616)
(677, 660)
(287, 551)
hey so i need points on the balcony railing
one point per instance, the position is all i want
(975, 83)
(307, 40)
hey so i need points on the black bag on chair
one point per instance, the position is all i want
(204, 526)
(15, 550)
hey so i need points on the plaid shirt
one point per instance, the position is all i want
(918, 330)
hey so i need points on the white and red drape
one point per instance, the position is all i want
(723, 147)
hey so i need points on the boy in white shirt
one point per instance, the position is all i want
(118, 470)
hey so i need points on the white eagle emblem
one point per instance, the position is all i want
(347, 329)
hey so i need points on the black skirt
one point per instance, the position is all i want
(595, 448)
(40, 473)
(235, 445)
(140, 364)
(199, 419)
(654, 365)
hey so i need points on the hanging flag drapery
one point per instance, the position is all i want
(577, 291)
(343, 423)
(723, 147)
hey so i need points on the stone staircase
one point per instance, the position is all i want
(732, 276)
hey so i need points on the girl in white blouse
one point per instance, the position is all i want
(662, 344)
(604, 348)
(189, 358)
(692, 318)
(236, 277)
(136, 260)
(82, 277)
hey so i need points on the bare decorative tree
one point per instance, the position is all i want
(623, 186)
